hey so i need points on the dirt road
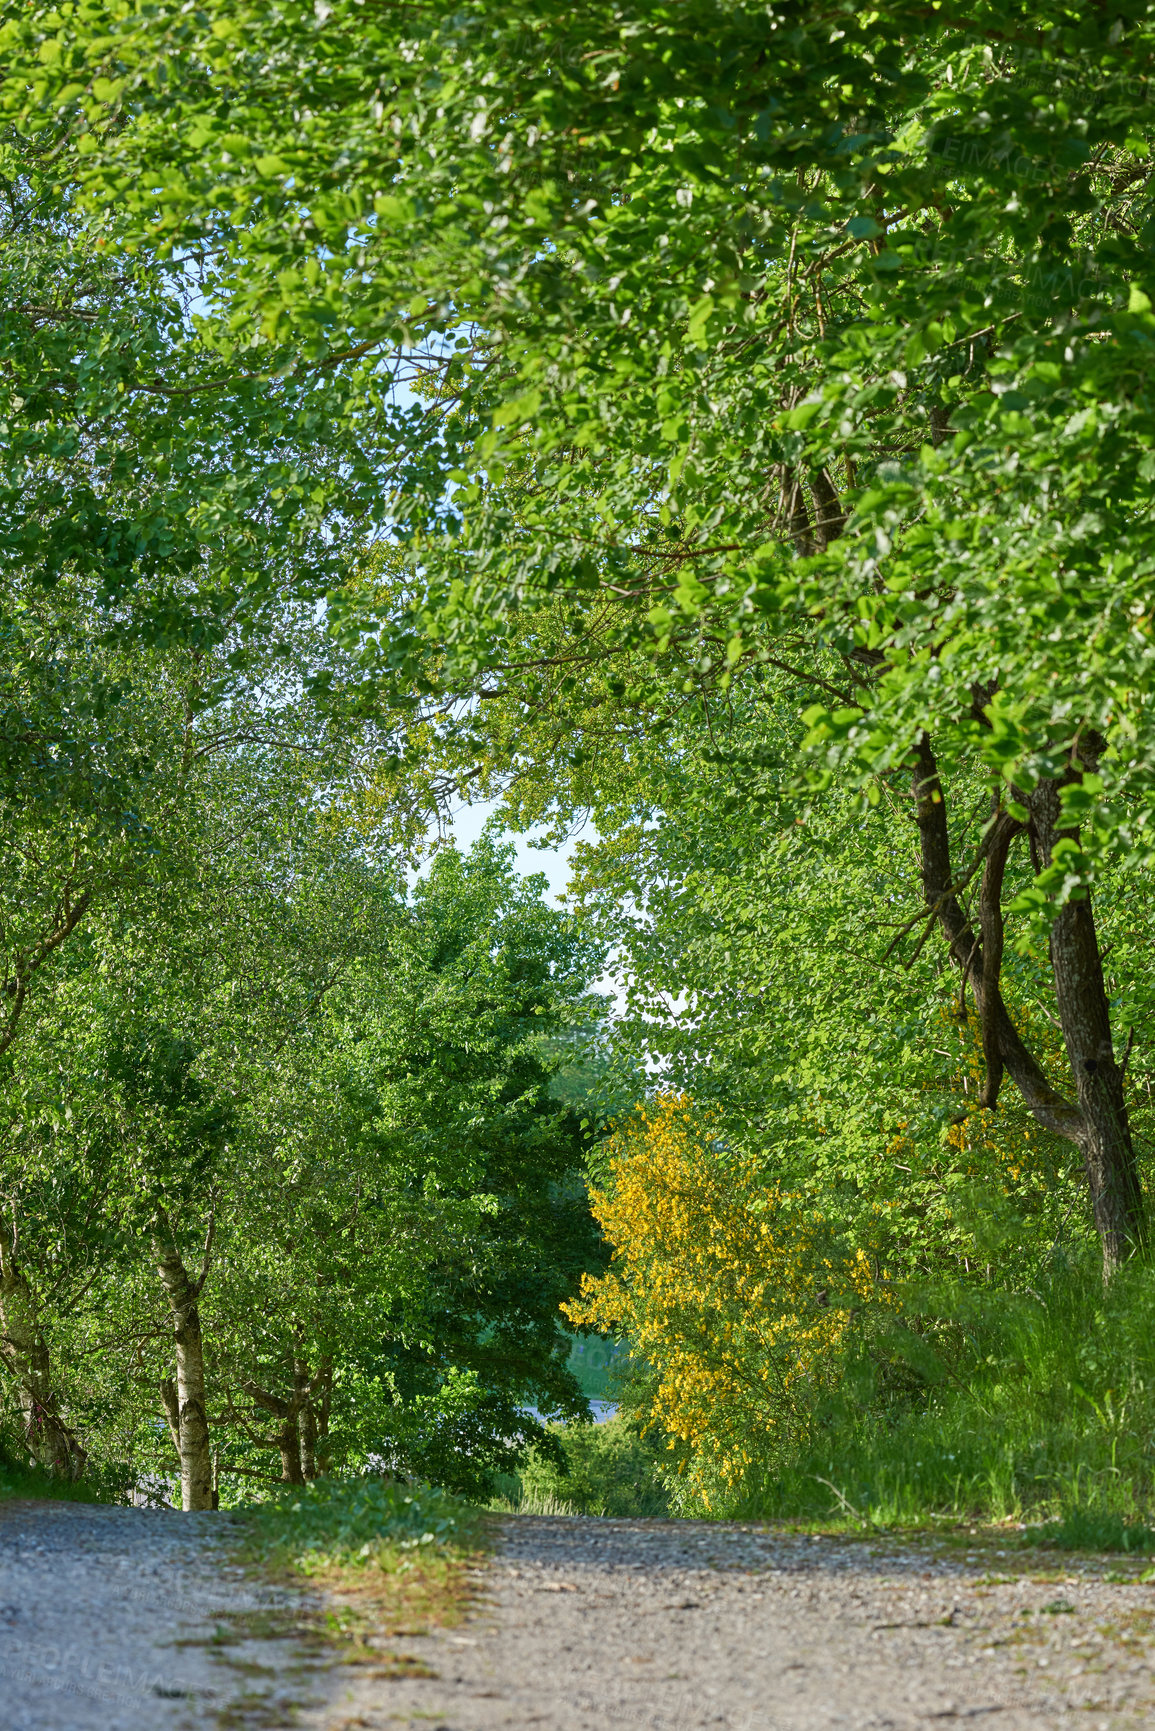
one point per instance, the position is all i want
(121, 1620)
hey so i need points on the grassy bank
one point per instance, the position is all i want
(19, 1479)
(1035, 1407)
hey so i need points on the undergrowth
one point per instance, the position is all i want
(1034, 1407)
(369, 1522)
(395, 1556)
(608, 1469)
(22, 1479)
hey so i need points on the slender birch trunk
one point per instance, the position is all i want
(184, 1403)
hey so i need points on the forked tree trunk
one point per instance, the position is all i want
(24, 1350)
(296, 1434)
(1097, 1120)
(185, 1404)
(313, 1422)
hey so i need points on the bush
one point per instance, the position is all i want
(736, 1302)
(606, 1469)
(1035, 1406)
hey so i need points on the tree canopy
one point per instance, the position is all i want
(728, 421)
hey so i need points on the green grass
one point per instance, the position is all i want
(355, 1523)
(390, 1558)
(1033, 1408)
(608, 1470)
(19, 1479)
(1082, 1531)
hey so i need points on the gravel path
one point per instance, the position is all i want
(671, 1626)
(116, 1619)
(128, 1620)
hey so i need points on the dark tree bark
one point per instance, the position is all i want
(1085, 1017)
(287, 1436)
(313, 1420)
(296, 1435)
(24, 1350)
(323, 1407)
(307, 1440)
(1097, 1121)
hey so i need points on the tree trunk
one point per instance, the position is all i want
(1097, 1122)
(307, 1438)
(290, 1436)
(191, 1414)
(1085, 1018)
(289, 1443)
(323, 1409)
(24, 1350)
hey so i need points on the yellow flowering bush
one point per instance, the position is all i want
(726, 1287)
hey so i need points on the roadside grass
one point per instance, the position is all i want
(389, 1557)
(35, 1482)
(19, 1479)
(1031, 1411)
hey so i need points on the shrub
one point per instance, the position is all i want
(605, 1469)
(734, 1297)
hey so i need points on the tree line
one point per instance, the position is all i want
(729, 425)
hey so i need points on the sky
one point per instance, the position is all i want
(470, 820)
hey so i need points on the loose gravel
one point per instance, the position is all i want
(129, 1620)
(673, 1625)
(117, 1619)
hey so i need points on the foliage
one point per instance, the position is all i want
(1079, 1531)
(707, 368)
(354, 1523)
(604, 1469)
(1017, 1394)
(398, 1555)
(721, 1285)
(328, 1096)
(1027, 1405)
(921, 322)
(183, 496)
(19, 1479)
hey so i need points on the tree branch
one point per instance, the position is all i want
(1049, 1107)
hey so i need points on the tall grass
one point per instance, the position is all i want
(984, 1405)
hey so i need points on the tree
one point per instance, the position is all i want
(730, 1292)
(184, 494)
(415, 1214)
(323, 1121)
(140, 784)
(886, 277)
